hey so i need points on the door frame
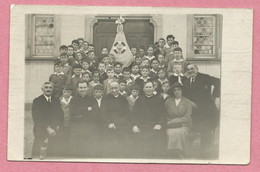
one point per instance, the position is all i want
(156, 20)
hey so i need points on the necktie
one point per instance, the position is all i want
(49, 100)
(192, 81)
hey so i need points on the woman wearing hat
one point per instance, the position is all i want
(179, 111)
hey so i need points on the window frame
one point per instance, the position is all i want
(30, 34)
(218, 37)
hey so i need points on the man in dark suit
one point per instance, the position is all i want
(205, 117)
(47, 117)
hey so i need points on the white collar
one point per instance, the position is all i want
(152, 70)
(163, 80)
(174, 60)
(180, 74)
(65, 101)
(47, 98)
(73, 76)
(66, 64)
(131, 96)
(149, 58)
(167, 46)
(120, 74)
(124, 92)
(143, 78)
(62, 73)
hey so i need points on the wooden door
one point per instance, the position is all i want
(137, 32)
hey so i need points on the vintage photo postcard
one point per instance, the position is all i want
(130, 84)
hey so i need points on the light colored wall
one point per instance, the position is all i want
(36, 73)
(72, 27)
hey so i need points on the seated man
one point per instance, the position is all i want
(47, 117)
(115, 112)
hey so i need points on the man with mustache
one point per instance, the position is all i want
(47, 117)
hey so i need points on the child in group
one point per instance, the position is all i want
(133, 51)
(80, 40)
(93, 64)
(86, 76)
(105, 59)
(118, 70)
(135, 71)
(85, 47)
(150, 51)
(145, 63)
(104, 50)
(70, 52)
(169, 47)
(106, 83)
(78, 58)
(145, 71)
(138, 60)
(85, 66)
(76, 77)
(122, 87)
(157, 87)
(95, 78)
(142, 51)
(154, 69)
(177, 75)
(91, 47)
(111, 59)
(178, 60)
(165, 89)
(75, 45)
(67, 69)
(161, 43)
(162, 75)
(161, 60)
(175, 44)
(127, 77)
(63, 49)
(58, 79)
(135, 89)
(103, 74)
(65, 106)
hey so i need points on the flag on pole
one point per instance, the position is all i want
(120, 48)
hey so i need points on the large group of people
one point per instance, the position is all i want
(91, 107)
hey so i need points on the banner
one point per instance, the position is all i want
(120, 48)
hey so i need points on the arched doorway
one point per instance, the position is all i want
(137, 31)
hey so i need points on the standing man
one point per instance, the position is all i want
(47, 117)
(205, 117)
(115, 112)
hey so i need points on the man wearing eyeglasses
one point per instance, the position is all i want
(47, 117)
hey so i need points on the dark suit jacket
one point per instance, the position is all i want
(46, 114)
(200, 93)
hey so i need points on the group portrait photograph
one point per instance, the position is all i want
(122, 86)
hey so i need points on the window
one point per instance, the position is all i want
(43, 36)
(43, 40)
(204, 36)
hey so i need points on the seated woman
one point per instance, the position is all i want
(179, 111)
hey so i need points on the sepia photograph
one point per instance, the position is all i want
(122, 86)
